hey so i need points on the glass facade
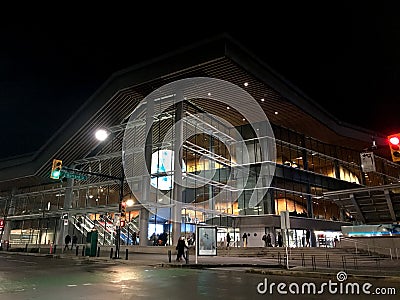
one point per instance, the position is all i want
(305, 168)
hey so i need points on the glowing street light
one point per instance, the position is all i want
(101, 134)
(130, 202)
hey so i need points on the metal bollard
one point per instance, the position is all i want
(169, 255)
(83, 250)
(126, 254)
(98, 251)
(26, 247)
(54, 249)
(111, 252)
(76, 250)
(313, 262)
(187, 256)
(328, 261)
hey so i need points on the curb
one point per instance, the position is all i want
(220, 265)
(266, 269)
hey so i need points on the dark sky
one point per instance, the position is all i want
(345, 57)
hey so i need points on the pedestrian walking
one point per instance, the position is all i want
(181, 246)
(228, 240)
(264, 238)
(280, 239)
(308, 236)
(134, 236)
(67, 240)
(244, 237)
(267, 240)
(269, 244)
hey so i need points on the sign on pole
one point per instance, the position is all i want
(285, 226)
(367, 162)
(285, 220)
(206, 237)
(73, 175)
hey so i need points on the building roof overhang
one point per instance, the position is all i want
(370, 205)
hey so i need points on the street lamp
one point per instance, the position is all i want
(101, 134)
(130, 202)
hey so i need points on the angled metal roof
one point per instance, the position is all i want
(370, 205)
(220, 57)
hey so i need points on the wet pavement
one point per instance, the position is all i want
(152, 276)
(389, 269)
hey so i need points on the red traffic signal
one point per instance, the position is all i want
(394, 143)
(122, 223)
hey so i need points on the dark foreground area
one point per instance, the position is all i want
(37, 277)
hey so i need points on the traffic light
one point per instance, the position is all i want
(394, 143)
(123, 210)
(56, 169)
(122, 223)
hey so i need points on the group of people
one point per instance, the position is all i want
(68, 240)
(159, 239)
(279, 240)
(267, 240)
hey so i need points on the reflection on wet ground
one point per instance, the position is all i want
(40, 278)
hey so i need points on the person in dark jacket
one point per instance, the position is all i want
(67, 240)
(228, 240)
(181, 245)
(280, 239)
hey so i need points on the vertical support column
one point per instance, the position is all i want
(236, 151)
(176, 213)
(11, 210)
(143, 226)
(211, 201)
(264, 157)
(269, 200)
(310, 211)
(121, 197)
(337, 168)
(304, 152)
(144, 213)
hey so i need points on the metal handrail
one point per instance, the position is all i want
(356, 243)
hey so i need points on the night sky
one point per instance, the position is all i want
(346, 58)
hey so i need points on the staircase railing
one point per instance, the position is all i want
(359, 246)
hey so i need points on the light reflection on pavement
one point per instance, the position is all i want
(58, 279)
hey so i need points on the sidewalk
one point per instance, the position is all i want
(258, 265)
